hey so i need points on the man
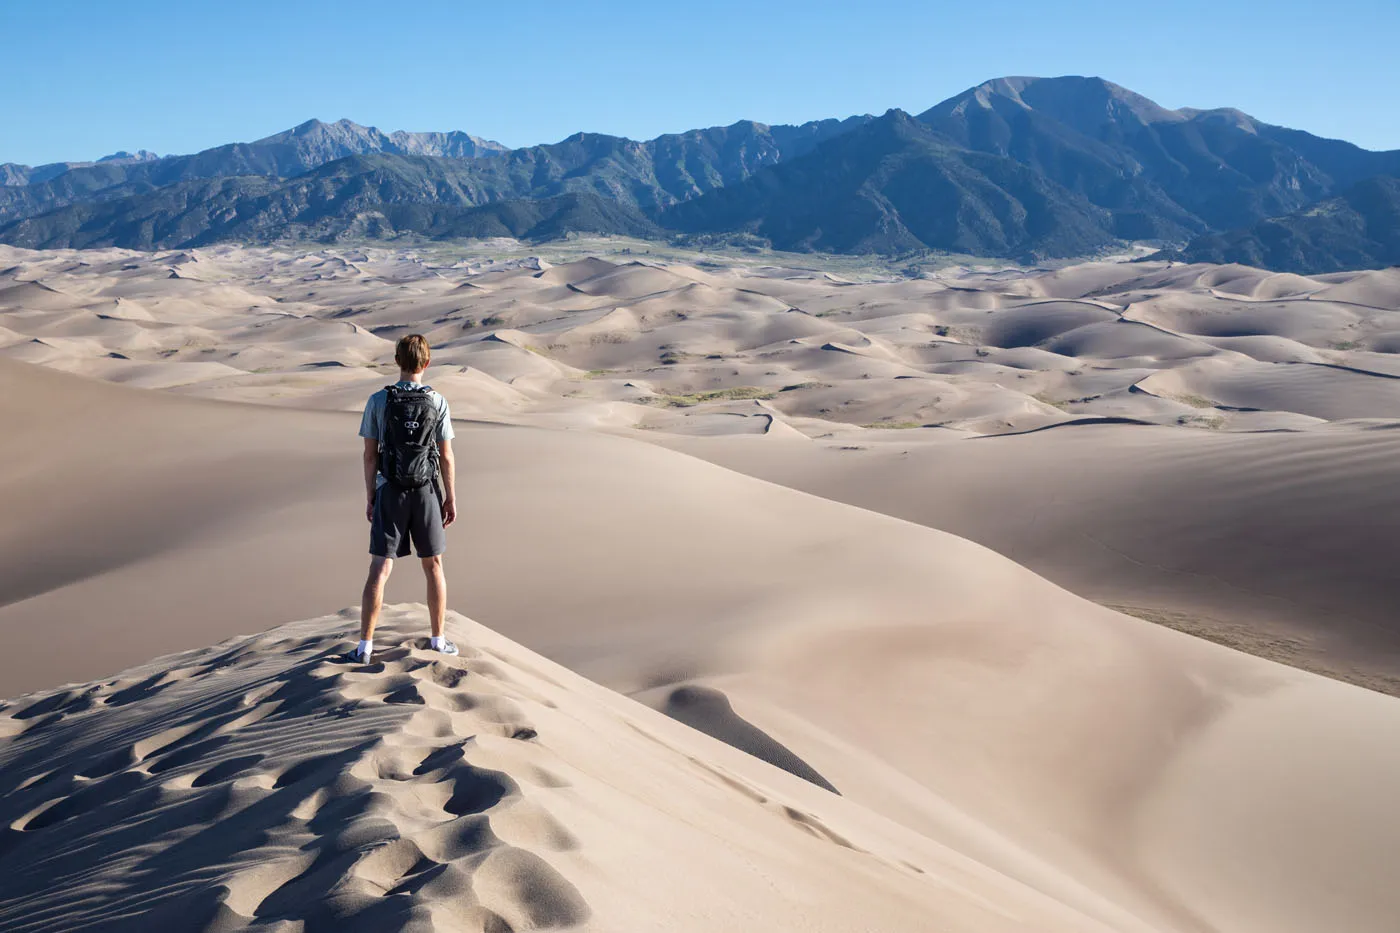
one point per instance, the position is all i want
(408, 434)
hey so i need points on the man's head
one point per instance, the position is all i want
(412, 353)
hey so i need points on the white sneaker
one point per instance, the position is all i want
(353, 656)
(447, 647)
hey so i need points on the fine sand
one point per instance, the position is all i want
(263, 782)
(700, 489)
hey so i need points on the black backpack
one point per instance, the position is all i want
(408, 455)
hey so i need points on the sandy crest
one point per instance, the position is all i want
(263, 783)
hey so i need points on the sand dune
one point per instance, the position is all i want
(1005, 754)
(930, 681)
(262, 781)
(1278, 543)
(1033, 348)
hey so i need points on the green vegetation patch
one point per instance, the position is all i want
(893, 425)
(671, 357)
(716, 395)
(1201, 421)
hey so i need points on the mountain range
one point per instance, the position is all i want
(1359, 229)
(1026, 168)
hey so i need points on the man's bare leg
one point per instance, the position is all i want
(373, 598)
(437, 593)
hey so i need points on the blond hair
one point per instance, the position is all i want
(413, 354)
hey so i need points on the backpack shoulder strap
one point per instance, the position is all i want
(433, 404)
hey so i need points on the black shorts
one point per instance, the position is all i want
(401, 515)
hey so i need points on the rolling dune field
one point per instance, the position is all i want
(788, 599)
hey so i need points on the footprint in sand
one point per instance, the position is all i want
(345, 796)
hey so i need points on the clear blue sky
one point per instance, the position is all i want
(82, 79)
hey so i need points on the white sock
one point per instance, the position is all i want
(438, 642)
(366, 647)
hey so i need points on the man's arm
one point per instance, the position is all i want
(371, 460)
(449, 482)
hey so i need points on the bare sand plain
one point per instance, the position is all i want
(724, 490)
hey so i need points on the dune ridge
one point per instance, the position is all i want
(263, 783)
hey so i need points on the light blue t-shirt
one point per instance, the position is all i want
(372, 423)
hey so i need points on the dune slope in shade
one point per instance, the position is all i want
(1281, 544)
